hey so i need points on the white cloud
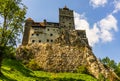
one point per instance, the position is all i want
(107, 26)
(117, 6)
(106, 36)
(93, 35)
(108, 23)
(97, 3)
(102, 31)
(82, 24)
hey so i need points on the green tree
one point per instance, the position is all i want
(12, 13)
(110, 63)
(117, 70)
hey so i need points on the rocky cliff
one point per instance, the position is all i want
(65, 55)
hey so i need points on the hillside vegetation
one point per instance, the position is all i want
(15, 71)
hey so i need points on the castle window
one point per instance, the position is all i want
(78, 34)
(51, 40)
(47, 40)
(47, 29)
(39, 41)
(32, 34)
(33, 41)
(37, 34)
(51, 34)
(84, 36)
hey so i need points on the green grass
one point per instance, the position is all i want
(15, 71)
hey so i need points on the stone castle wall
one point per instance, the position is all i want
(48, 32)
(64, 58)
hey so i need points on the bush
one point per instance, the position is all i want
(82, 69)
(33, 65)
(102, 78)
(9, 52)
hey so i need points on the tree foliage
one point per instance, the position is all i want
(112, 64)
(12, 15)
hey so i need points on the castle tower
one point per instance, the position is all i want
(66, 18)
(28, 25)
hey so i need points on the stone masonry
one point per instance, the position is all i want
(58, 47)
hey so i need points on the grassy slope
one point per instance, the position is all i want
(15, 71)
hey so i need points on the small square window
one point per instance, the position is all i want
(37, 34)
(47, 40)
(33, 41)
(78, 34)
(32, 34)
(47, 29)
(51, 34)
(39, 41)
(84, 35)
(51, 40)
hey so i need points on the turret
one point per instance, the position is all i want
(28, 25)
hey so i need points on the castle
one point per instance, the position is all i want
(69, 51)
(48, 32)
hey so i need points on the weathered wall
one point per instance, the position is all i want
(63, 58)
(47, 34)
(66, 18)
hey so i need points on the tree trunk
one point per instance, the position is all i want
(1, 58)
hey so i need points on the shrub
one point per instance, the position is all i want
(82, 69)
(102, 78)
(33, 65)
(9, 52)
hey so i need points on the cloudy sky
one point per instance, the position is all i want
(100, 19)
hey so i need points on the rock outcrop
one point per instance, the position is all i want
(65, 55)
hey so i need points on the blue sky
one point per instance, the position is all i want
(100, 19)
